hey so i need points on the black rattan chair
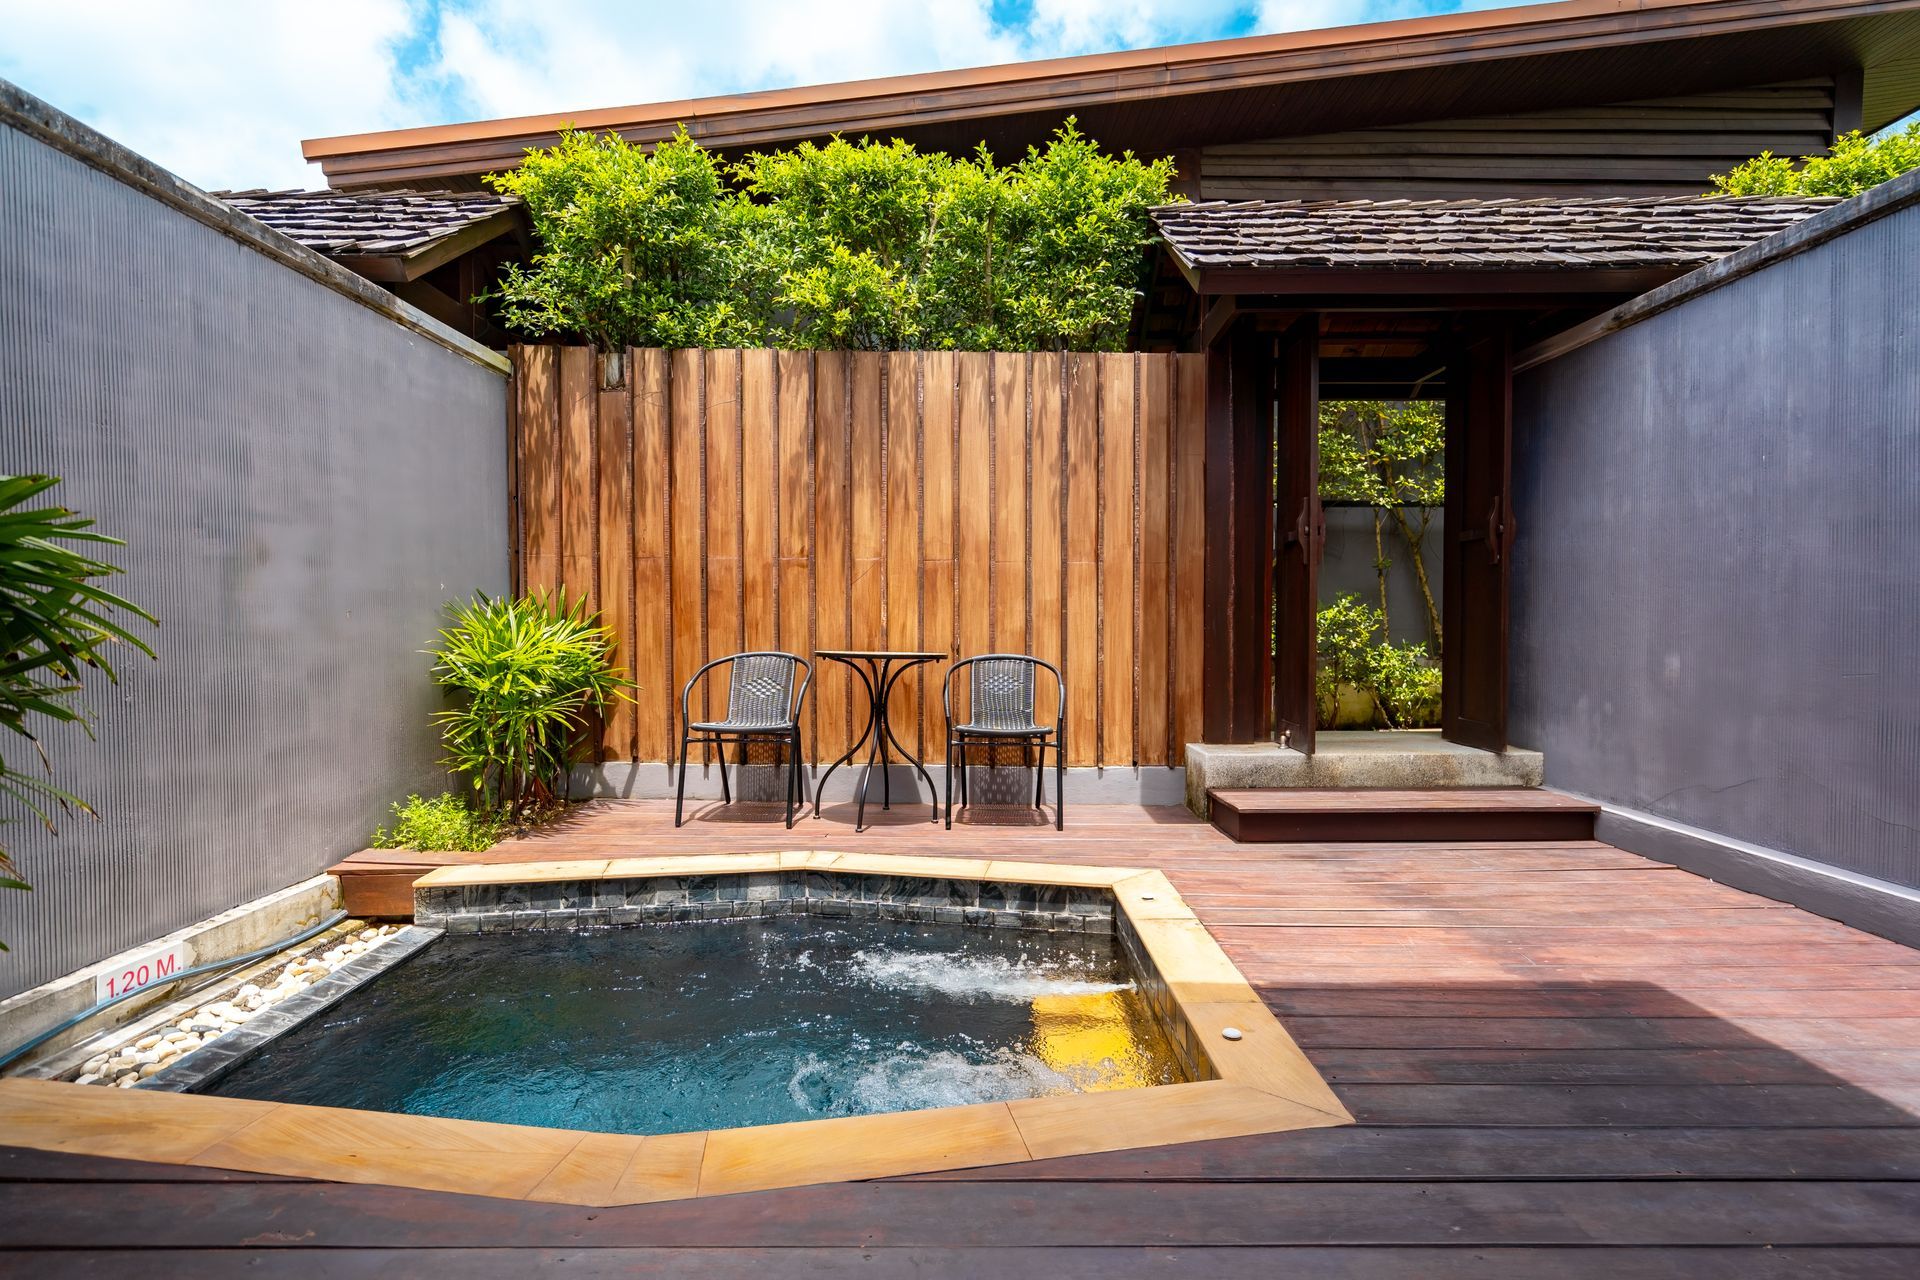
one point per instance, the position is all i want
(1002, 708)
(763, 702)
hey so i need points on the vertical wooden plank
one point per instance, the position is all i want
(725, 629)
(904, 584)
(1118, 549)
(1083, 558)
(540, 479)
(976, 481)
(832, 543)
(516, 522)
(687, 514)
(1189, 461)
(794, 450)
(760, 497)
(655, 694)
(1048, 567)
(869, 498)
(614, 429)
(1150, 642)
(579, 508)
(939, 371)
(1009, 535)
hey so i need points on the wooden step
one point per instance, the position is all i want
(378, 883)
(1300, 815)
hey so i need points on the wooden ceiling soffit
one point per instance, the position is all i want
(399, 268)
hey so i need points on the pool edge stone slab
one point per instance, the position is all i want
(206, 1065)
(1259, 1084)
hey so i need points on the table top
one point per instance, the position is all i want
(880, 655)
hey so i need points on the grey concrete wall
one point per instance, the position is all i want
(1716, 607)
(302, 483)
(1347, 565)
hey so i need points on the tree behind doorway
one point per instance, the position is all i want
(1388, 456)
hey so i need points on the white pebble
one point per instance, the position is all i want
(250, 989)
(127, 1081)
(152, 1068)
(89, 1078)
(146, 1042)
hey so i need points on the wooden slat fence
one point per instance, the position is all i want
(967, 502)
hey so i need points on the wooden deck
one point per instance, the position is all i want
(1565, 1061)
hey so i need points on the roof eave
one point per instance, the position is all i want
(1327, 281)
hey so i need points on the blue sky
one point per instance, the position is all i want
(222, 91)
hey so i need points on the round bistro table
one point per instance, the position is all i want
(878, 670)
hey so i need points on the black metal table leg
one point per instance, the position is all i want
(820, 786)
(878, 675)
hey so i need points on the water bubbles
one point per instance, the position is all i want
(975, 977)
(913, 1078)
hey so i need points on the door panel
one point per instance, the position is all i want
(1300, 533)
(1479, 539)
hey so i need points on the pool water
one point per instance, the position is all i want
(671, 1028)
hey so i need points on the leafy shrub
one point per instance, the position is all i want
(639, 248)
(530, 676)
(1400, 678)
(865, 244)
(1853, 164)
(55, 621)
(444, 823)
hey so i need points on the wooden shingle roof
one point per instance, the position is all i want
(1552, 234)
(383, 223)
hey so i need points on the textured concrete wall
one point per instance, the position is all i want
(1348, 566)
(1716, 610)
(302, 483)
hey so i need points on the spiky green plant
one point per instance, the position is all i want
(529, 676)
(56, 623)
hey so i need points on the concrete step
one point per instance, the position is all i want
(1302, 815)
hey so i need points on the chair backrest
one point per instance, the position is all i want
(763, 687)
(1001, 692)
(760, 688)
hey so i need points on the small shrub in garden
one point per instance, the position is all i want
(1400, 678)
(528, 676)
(442, 824)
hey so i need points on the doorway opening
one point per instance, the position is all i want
(1378, 622)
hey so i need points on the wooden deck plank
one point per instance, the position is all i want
(1086, 1263)
(1564, 1060)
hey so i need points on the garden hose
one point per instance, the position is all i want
(212, 966)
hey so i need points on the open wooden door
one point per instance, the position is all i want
(1479, 540)
(1300, 533)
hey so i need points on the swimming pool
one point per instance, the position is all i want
(668, 1028)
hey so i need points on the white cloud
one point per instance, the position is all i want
(219, 91)
(222, 91)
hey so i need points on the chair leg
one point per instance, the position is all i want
(680, 793)
(720, 758)
(1039, 773)
(1060, 784)
(949, 784)
(793, 774)
(800, 764)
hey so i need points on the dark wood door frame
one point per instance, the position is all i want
(1480, 531)
(1300, 534)
(1239, 534)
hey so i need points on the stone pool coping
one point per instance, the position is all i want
(1259, 1083)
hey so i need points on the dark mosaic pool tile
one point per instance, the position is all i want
(963, 893)
(462, 924)
(763, 885)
